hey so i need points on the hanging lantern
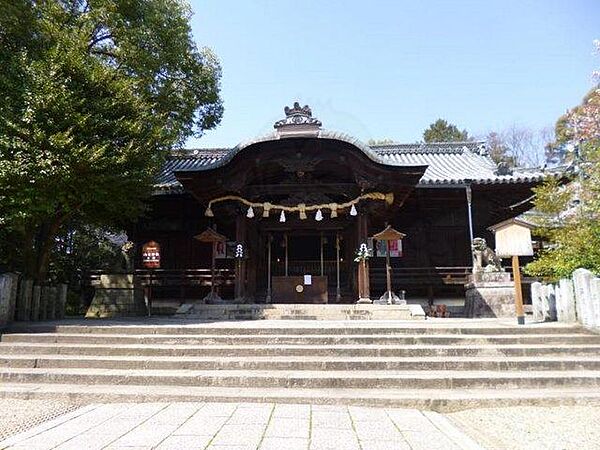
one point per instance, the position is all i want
(334, 212)
(319, 215)
(250, 213)
(353, 211)
(209, 212)
(282, 216)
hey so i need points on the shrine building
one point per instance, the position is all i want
(297, 203)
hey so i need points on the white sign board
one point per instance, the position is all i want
(307, 280)
(513, 239)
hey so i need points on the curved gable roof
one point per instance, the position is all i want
(448, 163)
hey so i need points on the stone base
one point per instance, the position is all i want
(489, 277)
(389, 298)
(301, 311)
(490, 299)
(116, 296)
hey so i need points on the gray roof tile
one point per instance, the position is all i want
(449, 163)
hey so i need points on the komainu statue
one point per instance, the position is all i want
(484, 258)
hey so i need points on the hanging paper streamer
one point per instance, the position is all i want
(302, 207)
(250, 213)
(353, 211)
(319, 215)
(282, 217)
(266, 209)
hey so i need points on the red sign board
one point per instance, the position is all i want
(151, 255)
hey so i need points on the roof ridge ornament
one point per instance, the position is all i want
(297, 119)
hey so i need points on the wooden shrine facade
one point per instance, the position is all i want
(302, 199)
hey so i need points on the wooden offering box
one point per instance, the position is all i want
(294, 289)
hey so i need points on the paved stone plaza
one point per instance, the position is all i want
(242, 426)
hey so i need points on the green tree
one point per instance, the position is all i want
(571, 219)
(94, 94)
(442, 131)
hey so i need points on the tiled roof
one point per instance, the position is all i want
(453, 163)
(185, 160)
(448, 163)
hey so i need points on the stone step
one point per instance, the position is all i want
(310, 363)
(310, 379)
(322, 339)
(350, 329)
(443, 400)
(373, 350)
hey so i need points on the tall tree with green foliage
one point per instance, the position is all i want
(442, 131)
(94, 93)
(571, 219)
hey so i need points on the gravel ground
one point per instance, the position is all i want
(528, 427)
(17, 416)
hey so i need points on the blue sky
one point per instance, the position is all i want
(387, 69)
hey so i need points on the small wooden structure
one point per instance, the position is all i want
(513, 239)
(211, 236)
(387, 235)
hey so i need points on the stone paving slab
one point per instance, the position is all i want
(247, 426)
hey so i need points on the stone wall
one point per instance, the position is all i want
(569, 300)
(8, 297)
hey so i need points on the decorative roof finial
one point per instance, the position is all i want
(297, 118)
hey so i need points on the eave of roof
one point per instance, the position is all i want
(448, 163)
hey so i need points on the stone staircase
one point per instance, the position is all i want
(438, 364)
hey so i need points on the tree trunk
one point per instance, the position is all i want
(43, 245)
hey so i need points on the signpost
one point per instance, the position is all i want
(513, 239)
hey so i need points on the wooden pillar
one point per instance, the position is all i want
(240, 267)
(338, 295)
(252, 249)
(469, 194)
(518, 291)
(364, 291)
(269, 257)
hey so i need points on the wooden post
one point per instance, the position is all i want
(364, 291)
(388, 268)
(240, 275)
(338, 295)
(270, 241)
(518, 291)
(285, 237)
(321, 253)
